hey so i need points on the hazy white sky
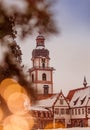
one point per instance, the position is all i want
(70, 50)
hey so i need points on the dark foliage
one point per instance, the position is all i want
(36, 16)
(16, 51)
(12, 69)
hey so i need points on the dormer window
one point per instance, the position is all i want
(75, 102)
(82, 101)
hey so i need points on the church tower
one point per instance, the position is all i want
(41, 73)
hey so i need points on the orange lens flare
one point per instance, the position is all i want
(18, 103)
(1, 114)
(1, 127)
(12, 89)
(56, 125)
(9, 86)
(14, 122)
(5, 83)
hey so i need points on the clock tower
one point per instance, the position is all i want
(41, 73)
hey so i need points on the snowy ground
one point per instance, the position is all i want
(76, 128)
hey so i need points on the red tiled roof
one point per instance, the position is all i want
(71, 92)
(43, 96)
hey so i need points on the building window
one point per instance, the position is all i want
(88, 110)
(42, 114)
(56, 110)
(75, 111)
(61, 101)
(72, 111)
(47, 114)
(46, 89)
(62, 111)
(32, 77)
(43, 76)
(82, 110)
(79, 112)
(36, 114)
(67, 111)
(39, 114)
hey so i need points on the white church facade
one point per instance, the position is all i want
(41, 73)
(70, 111)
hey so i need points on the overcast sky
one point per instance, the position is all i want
(70, 50)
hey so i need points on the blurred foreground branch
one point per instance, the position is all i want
(28, 16)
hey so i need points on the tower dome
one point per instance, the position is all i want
(40, 50)
(40, 40)
(40, 53)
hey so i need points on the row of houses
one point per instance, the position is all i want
(55, 110)
(70, 111)
(51, 109)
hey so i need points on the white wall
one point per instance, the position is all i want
(89, 122)
(48, 74)
(76, 116)
(41, 89)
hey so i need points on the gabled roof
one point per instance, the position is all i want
(80, 97)
(50, 101)
(71, 92)
(63, 98)
(37, 108)
(47, 102)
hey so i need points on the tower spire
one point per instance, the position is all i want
(85, 82)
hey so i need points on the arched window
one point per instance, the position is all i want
(43, 76)
(32, 77)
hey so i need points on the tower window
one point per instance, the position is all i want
(43, 65)
(88, 110)
(43, 62)
(46, 89)
(43, 76)
(32, 77)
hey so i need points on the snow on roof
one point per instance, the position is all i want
(37, 108)
(47, 102)
(80, 97)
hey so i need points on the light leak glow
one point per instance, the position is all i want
(14, 122)
(55, 125)
(18, 103)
